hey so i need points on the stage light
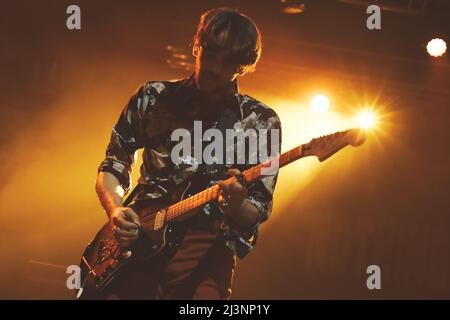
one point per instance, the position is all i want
(366, 119)
(320, 103)
(292, 6)
(294, 9)
(436, 47)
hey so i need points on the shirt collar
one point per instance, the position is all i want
(190, 83)
(188, 92)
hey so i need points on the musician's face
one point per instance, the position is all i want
(214, 71)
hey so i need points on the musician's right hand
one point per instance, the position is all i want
(125, 224)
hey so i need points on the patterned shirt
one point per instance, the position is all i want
(147, 121)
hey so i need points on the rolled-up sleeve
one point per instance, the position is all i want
(127, 136)
(260, 194)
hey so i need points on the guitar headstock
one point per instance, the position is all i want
(325, 146)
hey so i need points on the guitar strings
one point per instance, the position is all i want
(200, 198)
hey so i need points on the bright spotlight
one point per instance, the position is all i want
(320, 103)
(436, 47)
(366, 119)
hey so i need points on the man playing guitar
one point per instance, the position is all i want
(227, 45)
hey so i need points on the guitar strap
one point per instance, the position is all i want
(132, 194)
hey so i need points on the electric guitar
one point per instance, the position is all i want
(161, 232)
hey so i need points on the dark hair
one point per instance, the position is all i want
(228, 30)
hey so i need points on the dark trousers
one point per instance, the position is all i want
(202, 269)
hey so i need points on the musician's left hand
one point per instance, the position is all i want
(233, 202)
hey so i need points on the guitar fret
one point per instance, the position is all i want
(191, 203)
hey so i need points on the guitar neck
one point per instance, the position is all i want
(212, 193)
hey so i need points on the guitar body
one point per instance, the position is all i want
(103, 260)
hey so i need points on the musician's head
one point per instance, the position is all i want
(227, 44)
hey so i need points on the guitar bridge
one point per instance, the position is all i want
(106, 250)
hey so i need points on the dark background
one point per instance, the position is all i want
(385, 203)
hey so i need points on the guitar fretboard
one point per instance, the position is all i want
(212, 193)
